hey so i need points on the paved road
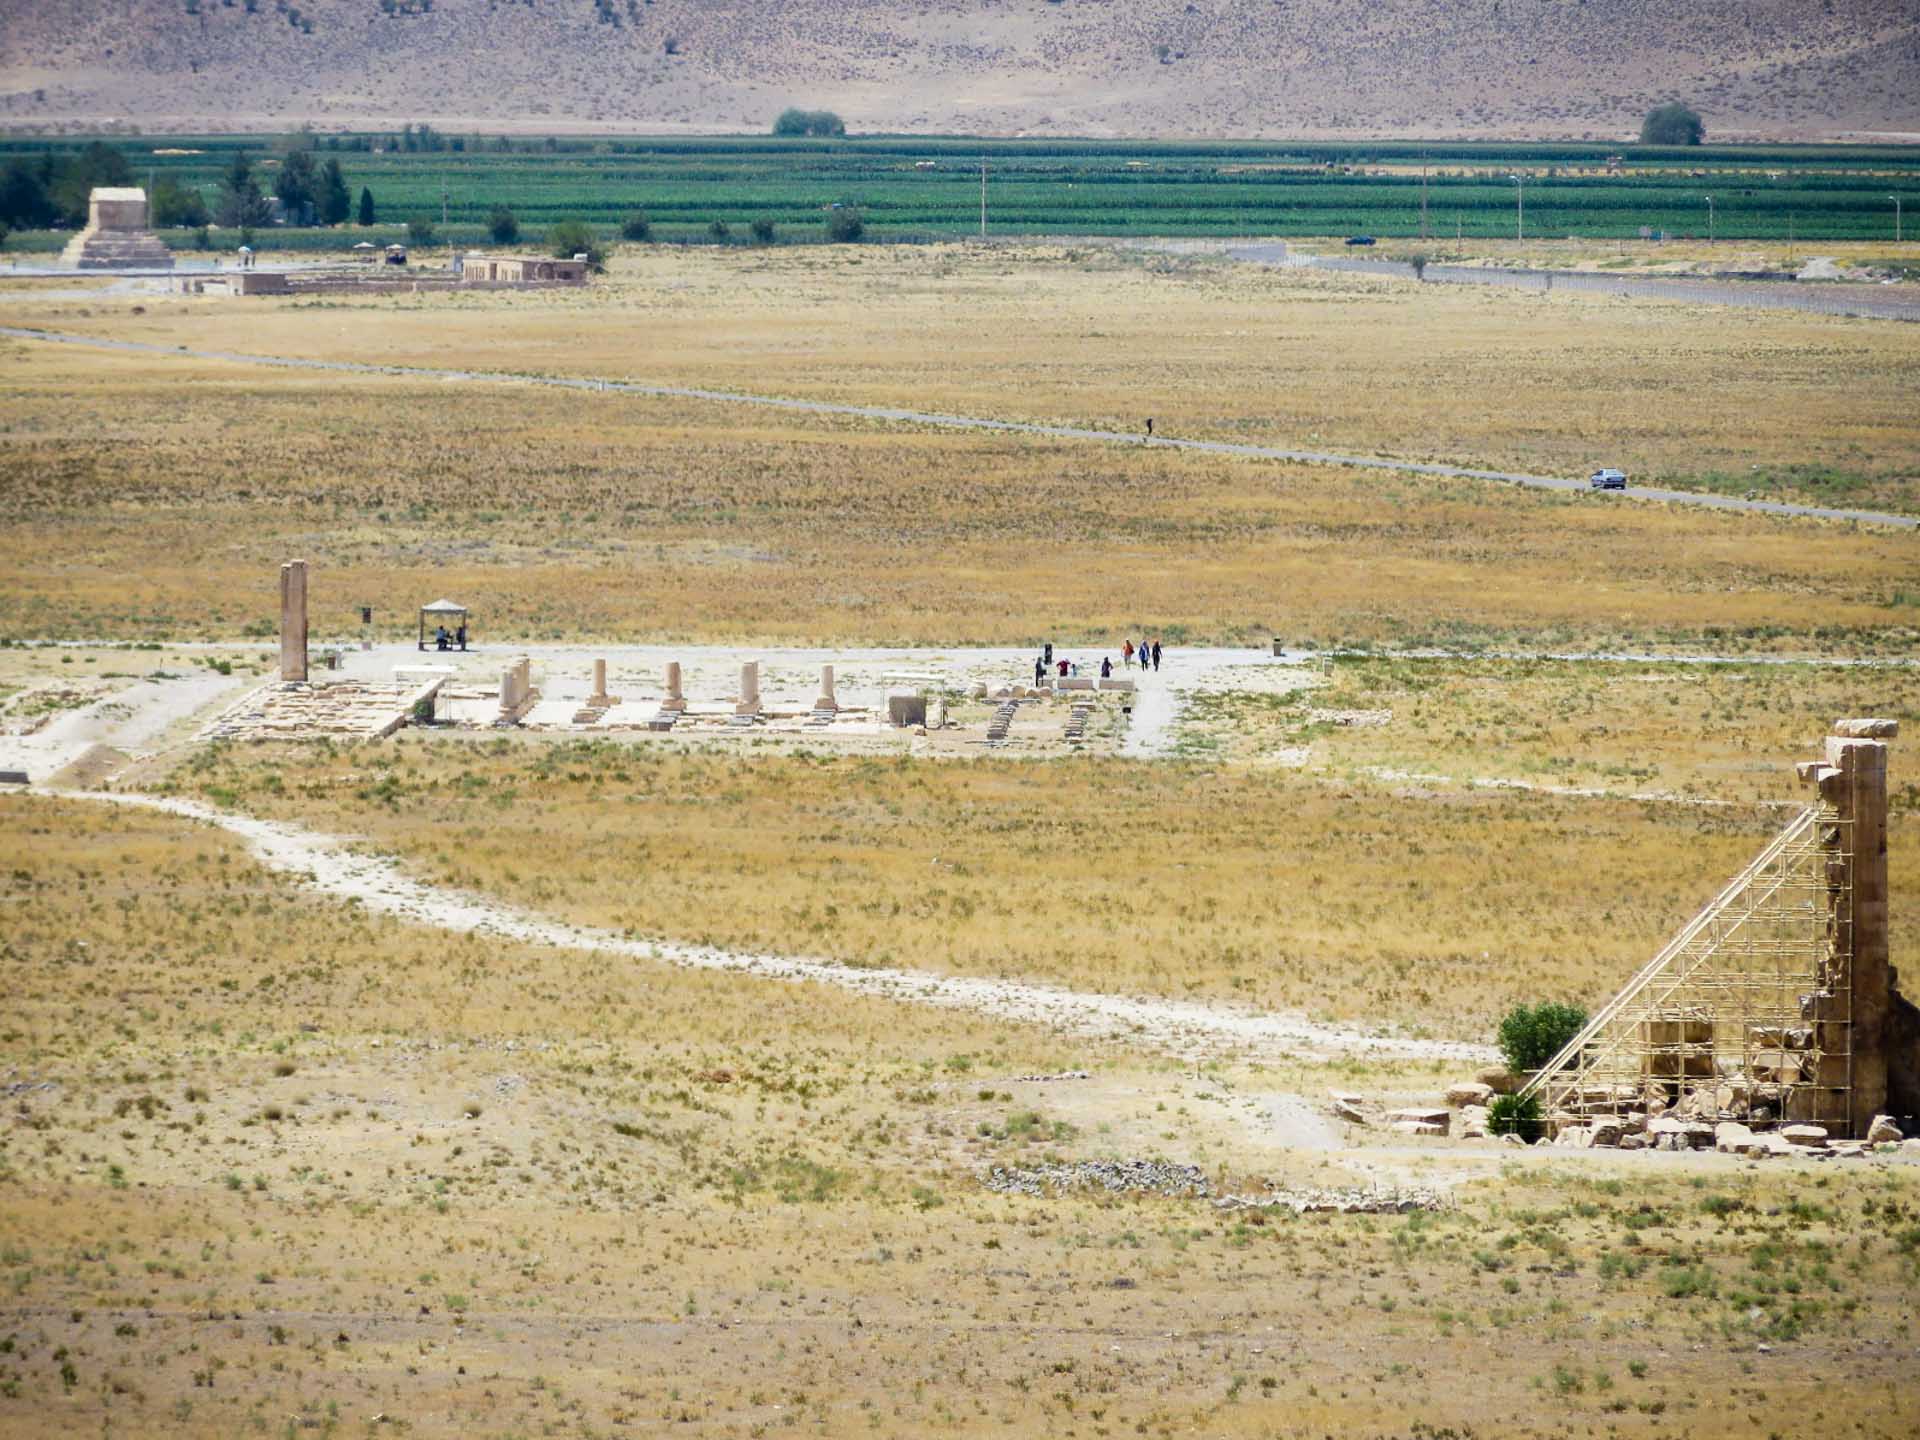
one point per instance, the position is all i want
(969, 422)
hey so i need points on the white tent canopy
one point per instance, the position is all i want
(444, 611)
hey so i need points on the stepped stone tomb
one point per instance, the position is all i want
(116, 236)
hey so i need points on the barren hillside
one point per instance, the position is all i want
(1545, 68)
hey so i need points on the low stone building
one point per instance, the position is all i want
(521, 270)
(116, 236)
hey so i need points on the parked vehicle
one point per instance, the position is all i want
(1608, 480)
(1359, 240)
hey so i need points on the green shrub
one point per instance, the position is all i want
(763, 230)
(569, 238)
(809, 122)
(1531, 1035)
(503, 225)
(1515, 1115)
(636, 227)
(844, 226)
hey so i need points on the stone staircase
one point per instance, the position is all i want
(591, 714)
(822, 716)
(664, 719)
(742, 722)
(1077, 722)
(95, 249)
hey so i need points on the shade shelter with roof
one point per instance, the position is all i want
(447, 615)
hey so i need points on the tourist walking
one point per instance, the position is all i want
(1156, 657)
(1039, 671)
(1106, 667)
(1126, 654)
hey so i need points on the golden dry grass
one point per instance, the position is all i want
(1105, 338)
(1361, 902)
(145, 497)
(1717, 733)
(280, 1168)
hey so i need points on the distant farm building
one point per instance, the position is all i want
(522, 270)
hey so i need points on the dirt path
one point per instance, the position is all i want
(329, 866)
(974, 422)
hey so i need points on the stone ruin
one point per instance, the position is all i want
(116, 236)
(1775, 1016)
(294, 707)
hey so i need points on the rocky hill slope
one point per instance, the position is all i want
(1512, 68)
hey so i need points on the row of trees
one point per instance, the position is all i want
(571, 237)
(52, 191)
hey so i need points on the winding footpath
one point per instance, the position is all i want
(328, 866)
(937, 419)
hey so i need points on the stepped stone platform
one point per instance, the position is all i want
(296, 709)
(116, 236)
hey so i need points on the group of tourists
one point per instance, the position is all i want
(1147, 652)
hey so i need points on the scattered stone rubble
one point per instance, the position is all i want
(1117, 1177)
(1182, 1182)
(1647, 1122)
(1338, 1202)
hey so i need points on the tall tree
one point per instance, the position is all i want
(1673, 124)
(241, 202)
(78, 175)
(174, 204)
(24, 202)
(366, 206)
(298, 186)
(336, 201)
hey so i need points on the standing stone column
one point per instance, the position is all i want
(599, 696)
(1852, 1014)
(827, 701)
(676, 697)
(293, 620)
(749, 703)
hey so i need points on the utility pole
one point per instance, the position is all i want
(983, 197)
(1423, 195)
(1709, 200)
(1519, 207)
(1896, 218)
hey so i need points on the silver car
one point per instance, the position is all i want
(1608, 480)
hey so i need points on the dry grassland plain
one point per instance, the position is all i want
(275, 1165)
(272, 1168)
(147, 496)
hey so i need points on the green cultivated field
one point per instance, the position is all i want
(910, 188)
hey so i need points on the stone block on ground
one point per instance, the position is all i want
(1418, 1127)
(1419, 1115)
(1607, 1132)
(1469, 1092)
(1883, 1131)
(1497, 1079)
(1730, 1137)
(1808, 1137)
